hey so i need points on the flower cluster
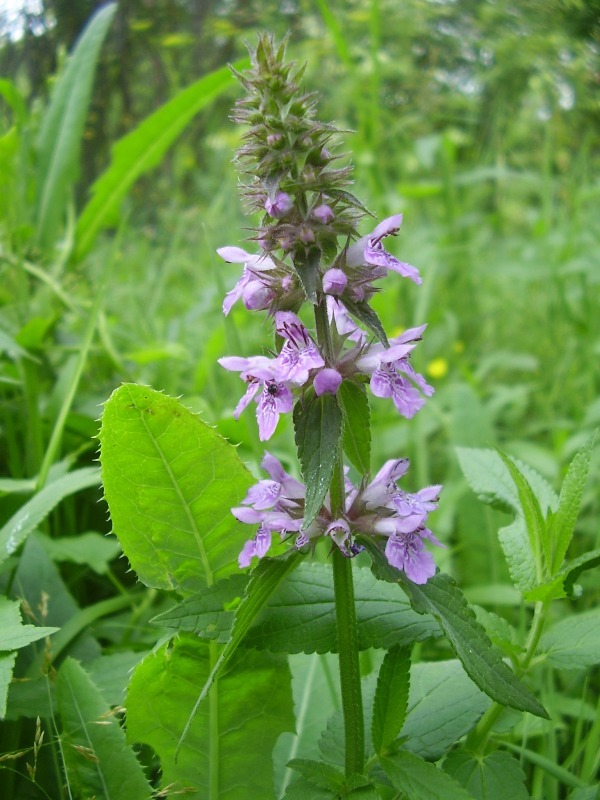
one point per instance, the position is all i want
(381, 510)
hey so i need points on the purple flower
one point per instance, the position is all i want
(279, 206)
(254, 286)
(369, 251)
(406, 551)
(299, 353)
(390, 371)
(275, 398)
(334, 281)
(336, 312)
(327, 381)
(323, 214)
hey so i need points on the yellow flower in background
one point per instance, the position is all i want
(437, 368)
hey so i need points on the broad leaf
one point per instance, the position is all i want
(391, 698)
(563, 522)
(170, 481)
(62, 129)
(495, 776)
(97, 760)
(574, 642)
(143, 149)
(90, 548)
(365, 314)
(488, 477)
(318, 774)
(357, 425)
(443, 705)
(227, 751)
(29, 516)
(318, 425)
(483, 663)
(419, 779)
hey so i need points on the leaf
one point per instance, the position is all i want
(318, 774)
(300, 614)
(89, 548)
(391, 698)
(314, 680)
(170, 481)
(442, 598)
(265, 579)
(97, 760)
(443, 705)
(306, 264)
(563, 522)
(29, 516)
(357, 425)
(488, 477)
(517, 550)
(494, 776)
(365, 314)
(7, 664)
(230, 739)
(419, 779)
(143, 149)
(13, 634)
(574, 642)
(62, 128)
(530, 508)
(563, 584)
(318, 425)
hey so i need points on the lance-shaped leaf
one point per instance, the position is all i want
(97, 760)
(574, 642)
(563, 522)
(391, 698)
(563, 584)
(365, 314)
(62, 128)
(483, 663)
(227, 751)
(357, 425)
(419, 779)
(170, 481)
(142, 149)
(318, 425)
(494, 776)
(300, 614)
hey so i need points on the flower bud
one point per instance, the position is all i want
(323, 213)
(334, 282)
(327, 381)
(280, 205)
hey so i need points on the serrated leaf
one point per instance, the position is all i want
(562, 585)
(230, 738)
(365, 314)
(28, 517)
(318, 426)
(306, 264)
(357, 425)
(89, 548)
(419, 779)
(517, 550)
(443, 705)
(574, 642)
(143, 149)
(62, 128)
(13, 634)
(563, 522)
(324, 776)
(170, 482)
(494, 776)
(97, 760)
(537, 530)
(488, 477)
(442, 598)
(391, 698)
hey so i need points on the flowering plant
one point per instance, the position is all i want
(331, 557)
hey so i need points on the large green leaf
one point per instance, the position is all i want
(419, 779)
(142, 149)
(483, 663)
(574, 642)
(443, 705)
(318, 425)
(227, 751)
(170, 481)
(97, 760)
(494, 776)
(62, 128)
(300, 614)
(29, 516)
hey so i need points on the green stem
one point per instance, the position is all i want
(345, 609)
